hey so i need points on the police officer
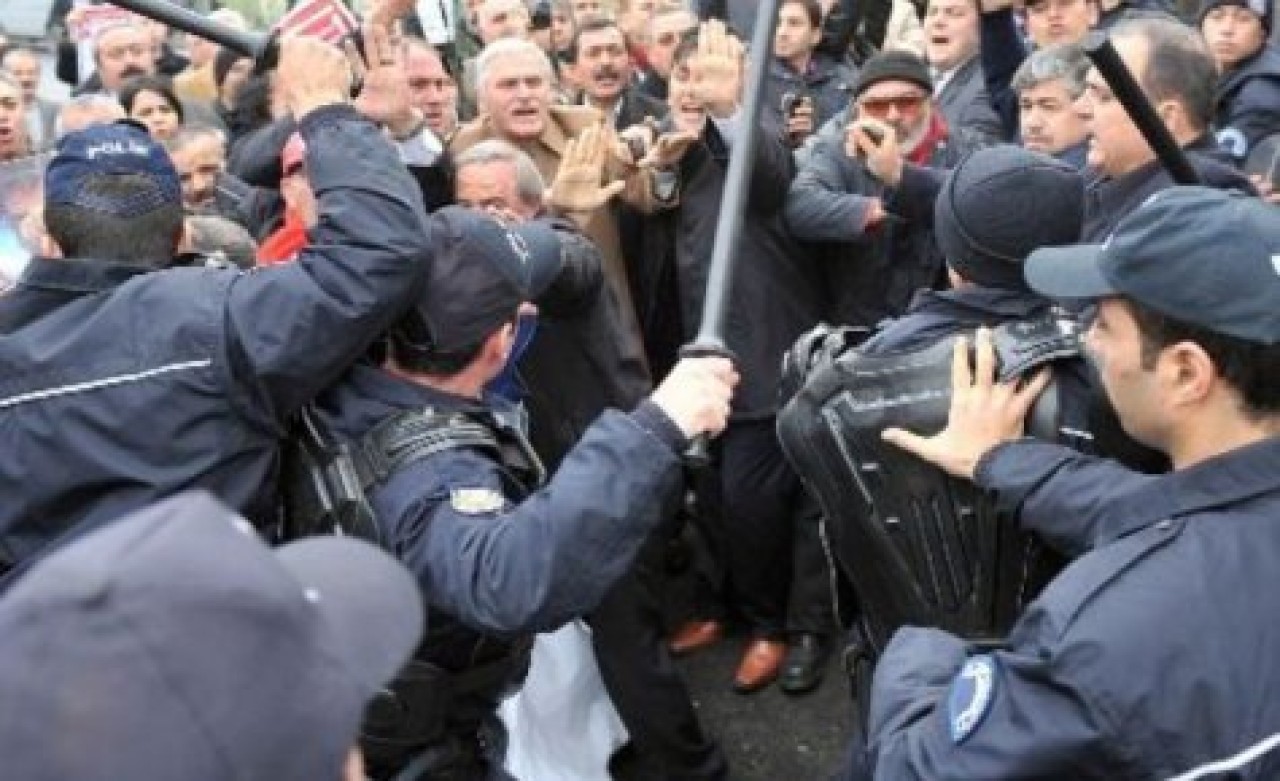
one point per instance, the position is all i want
(125, 381)
(497, 554)
(1145, 658)
(175, 644)
(1247, 97)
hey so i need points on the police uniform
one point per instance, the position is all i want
(1146, 658)
(498, 556)
(1247, 103)
(1131, 664)
(121, 384)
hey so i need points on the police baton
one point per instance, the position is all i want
(263, 48)
(710, 337)
(1113, 71)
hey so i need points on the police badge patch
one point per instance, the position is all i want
(971, 695)
(475, 501)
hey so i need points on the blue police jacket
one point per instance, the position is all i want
(514, 564)
(1247, 103)
(1153, 656)
(122, 385)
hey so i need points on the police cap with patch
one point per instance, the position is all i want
(174, 644)
(1201, 256)
(480, 272)
(100, 153)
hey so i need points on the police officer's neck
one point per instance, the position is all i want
(1215, 431)
(469, 383)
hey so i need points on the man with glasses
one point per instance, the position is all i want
(862, 189)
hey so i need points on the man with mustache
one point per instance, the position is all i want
(200, 155)
(605, 72)
(120, 52)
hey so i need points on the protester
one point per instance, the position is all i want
(82, 111)
(871, 198)
(432, 90)
(174, 644)
(805, 88)
(200, 157)
(41, 114)
(668, 25)
(14, 141)
(150, 101)
(120, 52)
(1048, 84)
(959, 85)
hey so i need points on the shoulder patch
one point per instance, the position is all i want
(475, 501)
(1233, 142)
(971, 695)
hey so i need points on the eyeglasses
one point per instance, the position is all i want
(880, 107)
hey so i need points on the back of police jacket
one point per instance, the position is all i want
(121, 385)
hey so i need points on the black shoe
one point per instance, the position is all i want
(806, 662)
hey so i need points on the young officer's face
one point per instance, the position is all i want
(1114, 344)
(1233, 34)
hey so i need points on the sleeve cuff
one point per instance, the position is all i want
(651, 418)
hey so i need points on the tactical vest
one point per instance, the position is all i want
(919, 546)
(436, 705)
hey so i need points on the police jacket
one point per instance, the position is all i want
(1108, 199)
(1148, 658)
(775, 295)
(122, 385)
(1247, 103)
(870, 273)
(512, 564)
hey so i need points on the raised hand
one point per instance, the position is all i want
(717, 69)
(578, 186)
(384, 96)
(311, 73)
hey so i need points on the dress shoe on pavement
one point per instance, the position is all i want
(694, 636)
(760, 664)
(806, 662)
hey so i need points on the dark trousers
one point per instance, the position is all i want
(643, 681)
(766, 531)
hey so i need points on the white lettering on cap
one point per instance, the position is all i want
(519, 247)
(129, 147)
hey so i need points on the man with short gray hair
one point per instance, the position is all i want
(514, 85)
(1048, 83)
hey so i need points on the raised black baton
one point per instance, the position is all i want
(715, 303)
(261, 47)
(1112, 69)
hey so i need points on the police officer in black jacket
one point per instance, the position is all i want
(1247, 99)
(499, 555)
(122, 381)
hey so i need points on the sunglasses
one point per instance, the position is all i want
(880, 107)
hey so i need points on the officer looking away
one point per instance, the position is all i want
(1146, 657)
(174, 644)
(123, 381)
(460, 501)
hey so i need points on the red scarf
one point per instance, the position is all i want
(935, 135)
(285, 244)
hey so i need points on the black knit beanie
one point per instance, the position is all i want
(892, 64)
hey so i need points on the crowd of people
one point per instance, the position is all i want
(389, 306)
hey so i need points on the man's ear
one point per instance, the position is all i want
(1190, 373)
